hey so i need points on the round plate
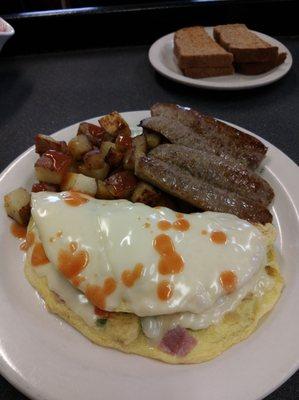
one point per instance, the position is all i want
(47, 359)
(163, 60)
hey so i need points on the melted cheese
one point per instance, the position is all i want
(114, 236)
(155, 327)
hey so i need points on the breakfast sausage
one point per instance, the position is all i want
(180, 183)
(242, 146)
(222, 173)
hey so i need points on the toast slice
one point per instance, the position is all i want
(193, 47)
(261, 67)
(206, 72)
(245, 45)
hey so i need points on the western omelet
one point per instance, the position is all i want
(123, 330)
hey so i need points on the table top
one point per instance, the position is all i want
(43, 93)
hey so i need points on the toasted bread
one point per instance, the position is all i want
(261, 67)
(193, 47)
(205, 72)
(245, 45)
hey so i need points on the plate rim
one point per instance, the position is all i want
(15, 378)
(204, 83)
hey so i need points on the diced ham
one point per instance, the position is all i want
(177, 342)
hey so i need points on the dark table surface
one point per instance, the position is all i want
(44, 93)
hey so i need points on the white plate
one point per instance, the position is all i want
(47, 359)
(163, 60)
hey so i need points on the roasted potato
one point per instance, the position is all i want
(52, 166)
(139, 148)
(78, 146)
(129, 160)
(44, 187)
(121, 184)
(147, 194)
(103, 191)
(100, 173)
(114, 157)
(95, 134)
(153, 197)
(152, 140)
(114, 124)
(17, 205)
(93, 159)
(105, 148)
(44, 143)
(79, 183)
(123, 142)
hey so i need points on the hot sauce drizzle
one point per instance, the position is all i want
(97, 294)
(19, 231)
(102, 313)
(228, 280)
(164, 290)
(74, 199)
(77, 280)
(129, 277)
(72, 262)
(181, 225)
(218, 237)
(38, 256)
(164, 225)
(170, 261)
(28, 242)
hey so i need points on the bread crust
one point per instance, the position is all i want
(261, 67)
(193, 47)
(245, 45)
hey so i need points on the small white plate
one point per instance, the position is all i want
(162, 58)
(47, 359)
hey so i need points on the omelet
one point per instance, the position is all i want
(185, 299)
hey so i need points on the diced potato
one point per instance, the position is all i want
(138, 149)
(129, 160)
(121, 184)
(123, 142)
(78, 146)
(44, 143)
(52, 166)
(114, 157)
(139, 146)
(93, 159)
(114, 124)
(95, 134)
(17, 205)
(103, 191)
(152, 140)
(43, 187)
(100, 173)
(105, 148)
(147, 194)
(79, 183)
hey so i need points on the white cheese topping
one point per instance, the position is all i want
(118, 235)
(153, 327)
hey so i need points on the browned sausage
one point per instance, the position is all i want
(181, 184)
(242, 146)
(222, 173)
